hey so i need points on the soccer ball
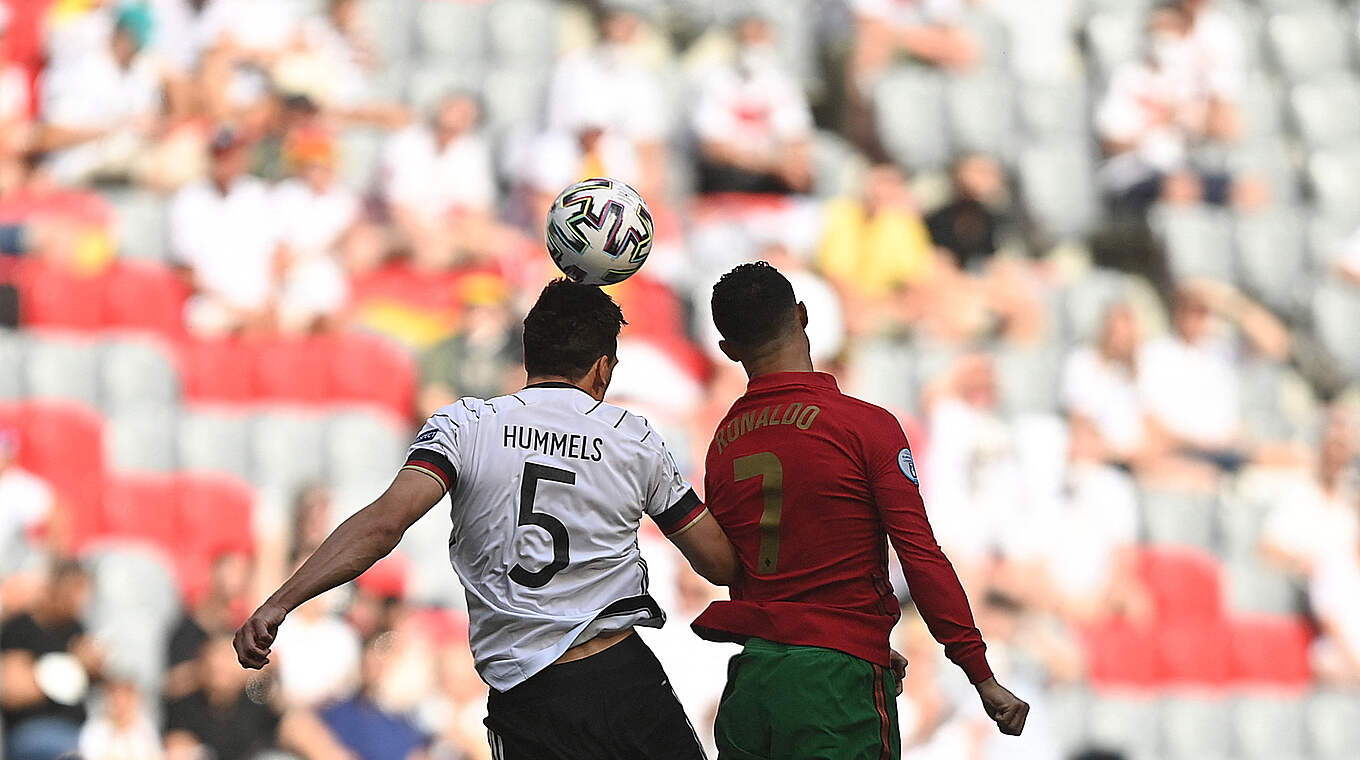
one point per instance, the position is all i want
(599, 231)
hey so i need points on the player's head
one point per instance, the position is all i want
(757, 314)
(572, 332)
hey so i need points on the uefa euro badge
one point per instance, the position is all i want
(908, 465)
(427, 436)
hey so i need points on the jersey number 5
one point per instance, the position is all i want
(561, 543)
(766, 466)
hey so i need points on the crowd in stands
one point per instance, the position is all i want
(1101, 257)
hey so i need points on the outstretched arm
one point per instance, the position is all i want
(709, 552)
(366, 537)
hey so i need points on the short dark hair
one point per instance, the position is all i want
(752, 305)
(570, 327)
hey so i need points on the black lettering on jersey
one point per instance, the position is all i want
(599, 452)
(540, 442)
(571, 445)
(559, 444)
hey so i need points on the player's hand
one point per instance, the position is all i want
(256, 635)
(1008, 710)
(899, 667)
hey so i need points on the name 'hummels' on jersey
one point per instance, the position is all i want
(553, 443)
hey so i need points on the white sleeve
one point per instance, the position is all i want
(670, 499)
(438, 449)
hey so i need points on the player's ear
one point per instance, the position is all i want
(600, 374)
(802, 315)
(728, 351)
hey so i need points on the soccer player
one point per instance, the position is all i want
(806, 481)
(547, 485)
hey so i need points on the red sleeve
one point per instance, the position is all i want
(934, 585)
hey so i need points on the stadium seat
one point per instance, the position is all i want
(360, 152)
(1114, 37)
(1067, 707)
(1049, 111)
(1125, 723)
(142, 506)
(1334, 177)
(427, 546)
(1332, 723)
(1240, 520)
(1326, 111)
(430, 81)
(144, 296)
(1261, 108)
(1191, 653)
(214, 440)
(134, 602)
(1327, 240)
(136, 374)
(13, 346)
(1085, 300)
(1027, 377)
(293, 369)
(1184, 583)
(287, 450)
(63, 367)
(1267, 727)
(140, 216)
(218, 370)
(1269, 246)
(374, 370)
(1058, 184)
(1254, 587)
(1121, 655)
(1179, 519)
(1270, 160)
(214, 514)
(523, 32)
(980, 112)
(364, 447)
(452, 32)
(1336, 312)
(391, 24)
(1194, 728)
(1307, 43)
(1197, 239)
(50, 295)
(63, 442)
(513, 97)
(909, 109)
(1270, 651)
(141, 440)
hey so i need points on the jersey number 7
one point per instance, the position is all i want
(561, 542)
(766, 466)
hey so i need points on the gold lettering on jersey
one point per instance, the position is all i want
(800, 416)
(571, 445)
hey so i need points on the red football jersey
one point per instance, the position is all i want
(806, 481)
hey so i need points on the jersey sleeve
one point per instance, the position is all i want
(670, 499)
(935, 588)
(438, 449)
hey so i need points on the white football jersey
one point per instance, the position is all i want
(548, 487)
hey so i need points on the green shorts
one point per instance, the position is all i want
(786, 702)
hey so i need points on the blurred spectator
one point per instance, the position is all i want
(1098, 388)
(1218, 57)
(439, 184)
(15, 98)
(971, 226)
(1318, 518)
(317, 653)
(1153, 113)
(1348, 259)
(753, 121)
(271, 124)
(29, 524)
(224, 231)
(483, 357)
(608, 88)
(220, 717)
(363, 724)
(217, 611)
(102, 109)
(46, 664)
(875, 245)
(122, 728)
(316, 215)
(1333, 591)
(1188, 379)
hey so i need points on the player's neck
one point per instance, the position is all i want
(578, 383)
(792, 360)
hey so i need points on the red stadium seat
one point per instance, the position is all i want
(51, 295)
(373, 369)
(1185, 584)
(145, 296)
(294, 369)
(1268, 650)
(1193, 653)
(214, 518)
(218, 370)
(142, 506)
(63, 442)
(1121, 654)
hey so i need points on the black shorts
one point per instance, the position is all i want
(614, 705)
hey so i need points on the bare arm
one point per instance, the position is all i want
(18, 685)
(709, 552)
(366, 537)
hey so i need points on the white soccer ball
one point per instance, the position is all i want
(599, 231)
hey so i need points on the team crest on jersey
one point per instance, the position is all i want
(908, 465)
(428, 435)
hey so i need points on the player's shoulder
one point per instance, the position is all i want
(464, 410)
(628, 428)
